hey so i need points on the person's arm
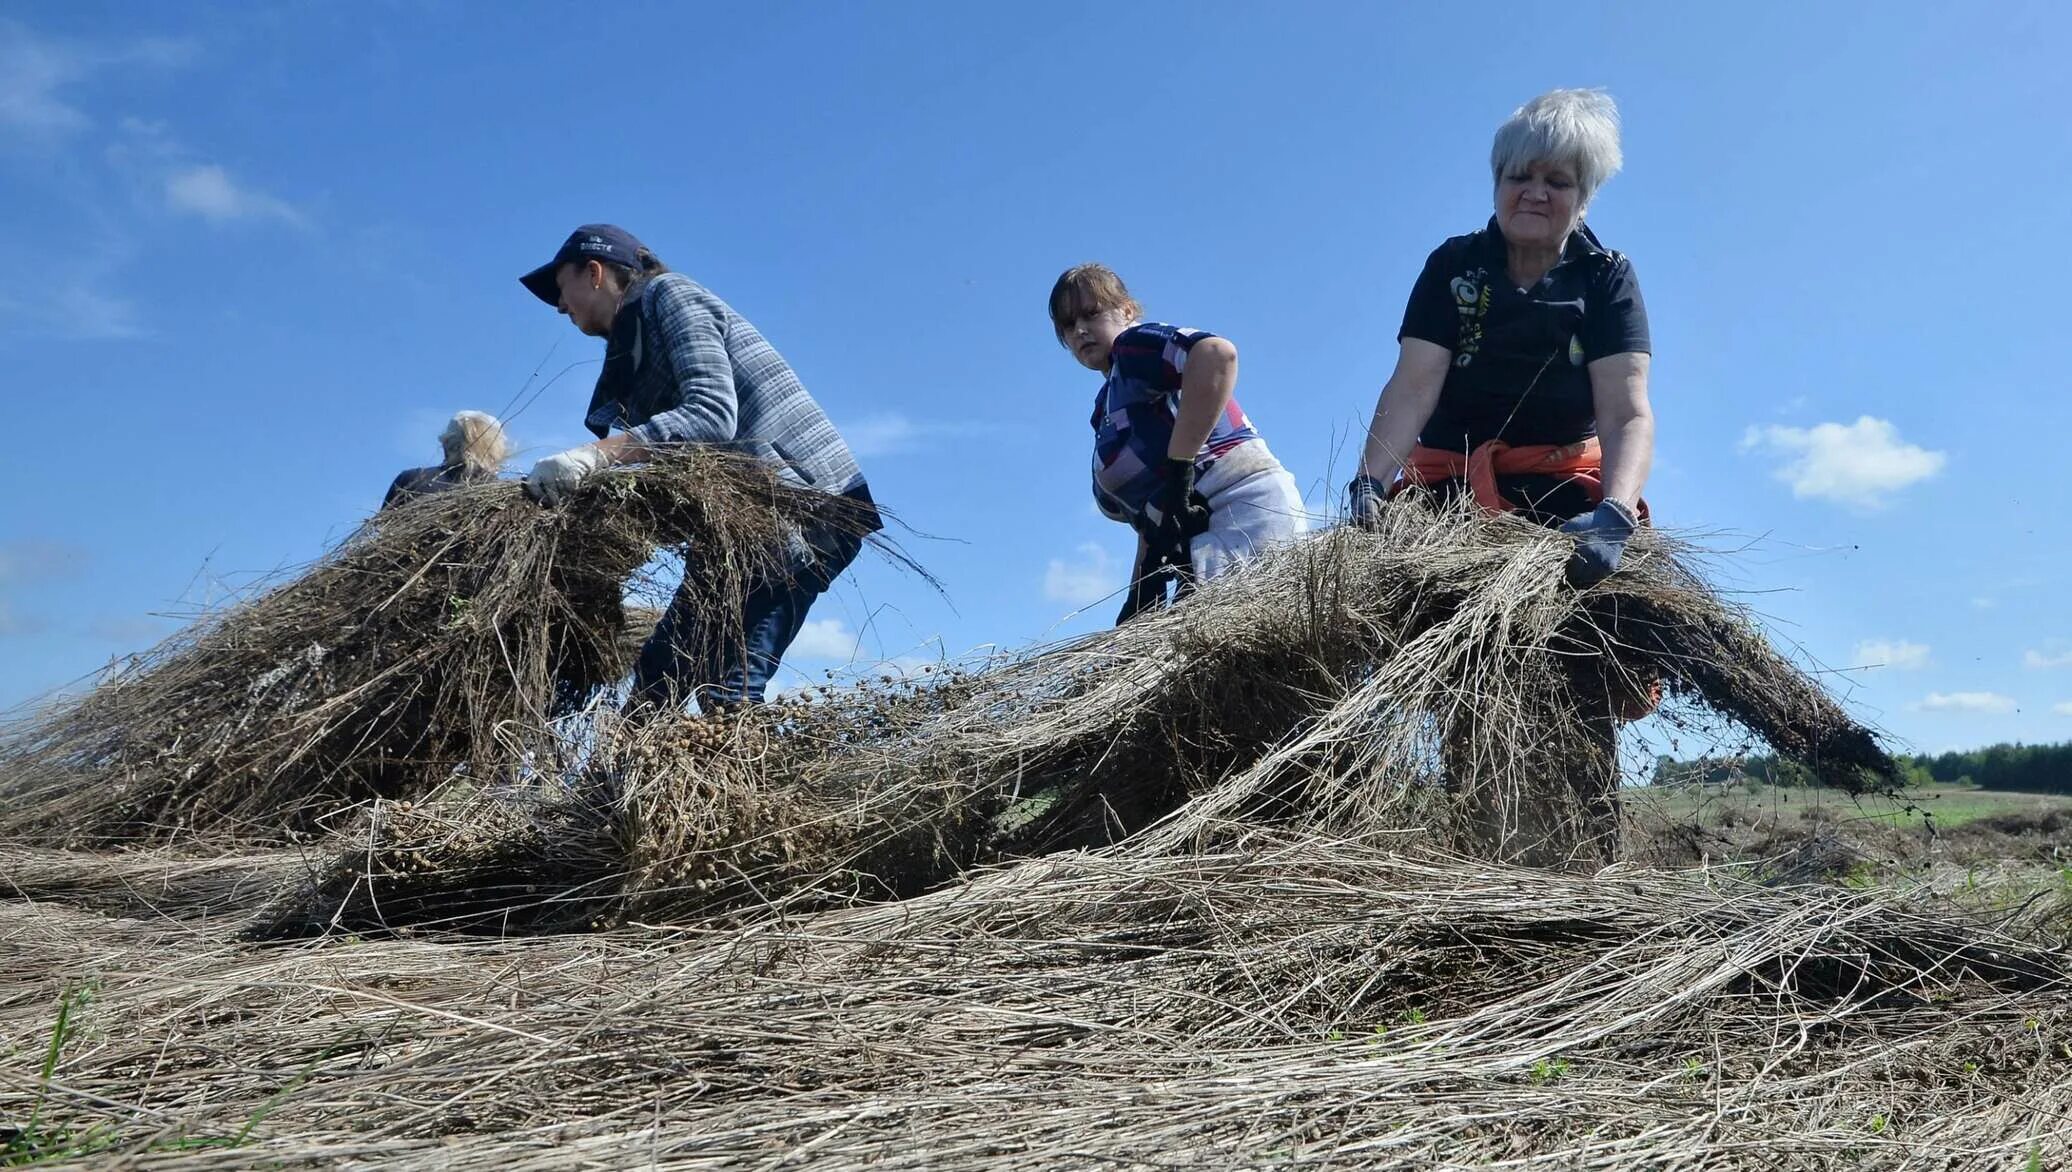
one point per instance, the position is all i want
(1206, 385)
(1625, 424)
(396, 490)
(688, 339)
(1405, 406)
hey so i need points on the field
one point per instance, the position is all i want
(1298, 874)
(1270, 1002)
(1921, 810)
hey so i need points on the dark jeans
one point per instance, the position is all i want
(684, 660)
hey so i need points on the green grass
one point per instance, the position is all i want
(32, 1143)
(1949, 806)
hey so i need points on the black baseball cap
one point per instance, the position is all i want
(606, 242)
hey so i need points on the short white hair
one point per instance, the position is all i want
(476, 439)
(1578, 129)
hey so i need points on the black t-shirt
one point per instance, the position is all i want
(416, 482)
(1520, 359)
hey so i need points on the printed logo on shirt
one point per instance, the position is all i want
(1471, 299)
(1575, 350)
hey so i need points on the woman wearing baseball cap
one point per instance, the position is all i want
(681, 367)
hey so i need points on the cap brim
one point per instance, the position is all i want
(540, 282)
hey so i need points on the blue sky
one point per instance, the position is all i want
(261, 252)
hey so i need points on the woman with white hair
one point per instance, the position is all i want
(1522, 375)
(475, 450)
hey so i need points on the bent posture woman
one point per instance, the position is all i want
(681, 367)
(1174, 455)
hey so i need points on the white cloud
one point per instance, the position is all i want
(208, 191)
(1854, 464)
(34, 71)
(1897, 654)
(1983, 602)
(2052, 654)
(895, 434)
(1973, 702)
(825, 639)
(2062, 708)
(1089, 579)
(77, 309)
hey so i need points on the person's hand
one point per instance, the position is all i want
(1601, 535)
(1181, 516)
(553, 478)
(1365, 497)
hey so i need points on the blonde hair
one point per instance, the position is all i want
(475, 439)
(1084, 290)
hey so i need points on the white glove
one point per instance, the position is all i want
(553, 478)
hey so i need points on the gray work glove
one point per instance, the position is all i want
(1364, 498)
(1601, 535)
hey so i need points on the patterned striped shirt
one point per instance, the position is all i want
(1134, 413)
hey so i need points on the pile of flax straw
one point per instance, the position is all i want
(1306, 871)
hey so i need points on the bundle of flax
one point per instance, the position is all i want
(434, 638)
(1438, 676)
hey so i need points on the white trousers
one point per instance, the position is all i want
(1253, 506)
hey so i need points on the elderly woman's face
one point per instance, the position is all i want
(1539, 204)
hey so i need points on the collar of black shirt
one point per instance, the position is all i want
(1581, 243)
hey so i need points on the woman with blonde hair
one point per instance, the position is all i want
(475, 449)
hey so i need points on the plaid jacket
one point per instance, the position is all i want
(681, 367)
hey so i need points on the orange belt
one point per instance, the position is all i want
(1581, 462)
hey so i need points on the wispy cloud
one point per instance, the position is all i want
(36, 72)
(208, 191)
(1895, 654)
(896, 434)
(1976, 703)
(2054, 653)
(2062, 708)
(1083, 580)
(1858, 465)
(32, 72)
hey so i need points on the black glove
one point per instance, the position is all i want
(1182, 515)
(1364, 498)
(1147, 590)
(1601, 535)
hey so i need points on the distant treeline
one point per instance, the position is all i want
(2030, 768)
